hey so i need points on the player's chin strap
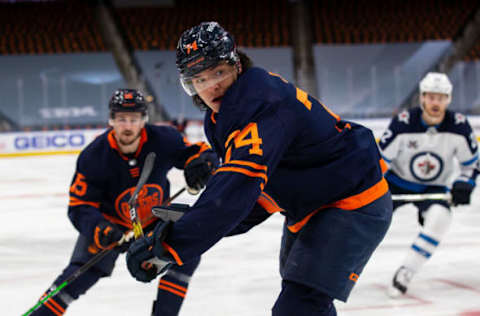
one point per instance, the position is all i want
(422, 197)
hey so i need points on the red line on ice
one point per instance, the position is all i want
(419, 302)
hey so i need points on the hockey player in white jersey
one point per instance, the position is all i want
(423, 147)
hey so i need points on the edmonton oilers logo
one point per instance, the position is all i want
(149, 196)
(426, 166)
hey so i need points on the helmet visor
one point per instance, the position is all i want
(208, 78)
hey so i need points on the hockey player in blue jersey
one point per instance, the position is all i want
(282, 146)
(423, 146)
(106, 175)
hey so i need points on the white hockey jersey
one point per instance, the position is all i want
(420, 156)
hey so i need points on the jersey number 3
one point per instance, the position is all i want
(246, 137)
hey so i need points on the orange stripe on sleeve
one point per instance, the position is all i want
(244, 171)
(247, 163)
(173, 253)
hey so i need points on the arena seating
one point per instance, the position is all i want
(474, 54)
(387, 21)
(253, 23)
(48, 28)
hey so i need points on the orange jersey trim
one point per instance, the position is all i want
(173, 253)
(243, 171)
(175, 286)
(366, 197)
(203, 147)
(189, 160)
(212, 117)
(166, 288)
(350, 203)
(383, 165)
(113, 143)
(268, 203)
(57, 313)
(60, 308)
(248, 163)
(76, 202)
(53, 306)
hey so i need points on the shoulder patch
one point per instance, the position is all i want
(459, 118)
(404, 117)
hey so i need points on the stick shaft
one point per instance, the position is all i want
(421, 197)
(92, 261)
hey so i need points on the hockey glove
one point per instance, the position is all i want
(106, 235)
(199, 170)
(461, 192)
(146, 257)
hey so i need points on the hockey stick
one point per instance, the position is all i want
(146, 170)
(422, 197)
(93, 261)
(54, 290)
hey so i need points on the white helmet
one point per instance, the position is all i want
(436, 82)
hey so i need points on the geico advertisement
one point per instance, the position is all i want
(12, 144)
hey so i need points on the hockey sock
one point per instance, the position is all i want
(436, 223)
(55, 306)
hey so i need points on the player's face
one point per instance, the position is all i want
(127, 127)
(211, 84)
(435, 105)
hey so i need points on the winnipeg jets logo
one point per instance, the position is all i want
(404, 116)
(460, 118)
(426, 166)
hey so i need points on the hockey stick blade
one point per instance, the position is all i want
(166, 214)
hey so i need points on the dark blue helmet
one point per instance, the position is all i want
(204, 46)
(127, 100)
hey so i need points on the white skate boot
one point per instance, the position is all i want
(400, 282)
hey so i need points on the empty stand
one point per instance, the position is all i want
(48, 28)
(387, 21)
(253, 23)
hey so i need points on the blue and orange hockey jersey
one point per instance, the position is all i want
(283, 148)
(105, 178)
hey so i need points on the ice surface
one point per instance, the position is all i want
(239, 276)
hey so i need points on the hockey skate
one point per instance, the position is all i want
(400, 281)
